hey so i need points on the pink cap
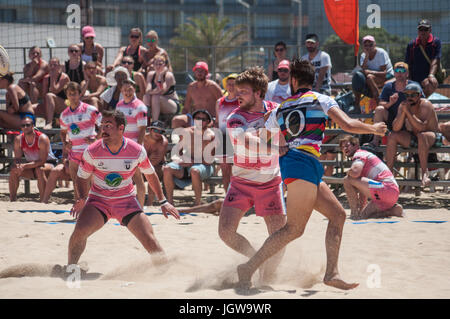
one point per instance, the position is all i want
(88, 31)
(368, 38)
(284, 64)
(201, 65)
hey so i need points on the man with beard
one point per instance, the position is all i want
(113, 160)
(201, 94)
(279, 89)
(78, 128)
(35, 146)
(321, 62)
(415, 125)
(255, 179)
(369, 177)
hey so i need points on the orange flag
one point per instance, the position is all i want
(343, 16)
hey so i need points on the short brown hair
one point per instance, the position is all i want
(303, 71)
(73, 86)
(118, 116)
(256, 78)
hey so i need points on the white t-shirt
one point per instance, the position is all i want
(277, 92)
(322, 59)
(381, 58)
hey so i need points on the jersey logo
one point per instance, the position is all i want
(127, 164)
(75, 129)
(113, 179)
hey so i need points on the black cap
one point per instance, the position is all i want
(158, 125)
(204, 112)
(424, 23)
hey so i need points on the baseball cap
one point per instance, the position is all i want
(204, 112)
(284, 64)
(424, 23)
(368, 38)
(158, 125)
(201, 65)
(312, 38)
(88, 31)
(415, 87)
(401, 65)
(225, 79)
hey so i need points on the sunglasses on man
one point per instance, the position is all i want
(26, 125)
(423, 29)
(134, 36)
(158, 131)
(410, 95)
(400, 70)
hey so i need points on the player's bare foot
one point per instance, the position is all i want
(339, 283)
(397, 210)
(244, 277)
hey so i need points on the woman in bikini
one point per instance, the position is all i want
(134, 49)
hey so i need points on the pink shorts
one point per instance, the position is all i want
(75, 157)
(267, 198)
(384, 194)
(118, 209)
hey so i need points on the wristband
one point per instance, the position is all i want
(431, 74)
(162, 202)
(165, 204)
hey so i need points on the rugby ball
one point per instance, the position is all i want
(4, 61)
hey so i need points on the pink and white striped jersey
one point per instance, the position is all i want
(251, 165)
(80, 123)
(113, 172)
(373, 167)
(136, 115)
(225, 108)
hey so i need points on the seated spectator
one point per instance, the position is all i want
(134, 49)
(137, 77)
(279, 89)
(75, 65)
(160, 94)
(376, 69)
(151, 41)
(224, 106)
(193, 166)
(369, 177)
(423, 69)
(56, 174)
(36, 148)
(391, 97)
(90, 50)
(202, 94)
(113, 95)
(280, 53)
(56, 96)
(34, 73)
(18, 103)
(93, 85)
(156, 144)
(444, 128)
(415, 125)
(321, 62)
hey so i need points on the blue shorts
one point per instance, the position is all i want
(299, 165)
(204, 170)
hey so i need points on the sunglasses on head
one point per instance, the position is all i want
(414, 94)
(400, 70)
(26, 125)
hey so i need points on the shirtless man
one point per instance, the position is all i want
(112, 194)
(201, 94)
(33, 75)
(93, 85)
(156, 145)
(195, 164)
(415, 125)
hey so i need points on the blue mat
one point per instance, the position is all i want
(56, 211)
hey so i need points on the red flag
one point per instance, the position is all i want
(343, 16)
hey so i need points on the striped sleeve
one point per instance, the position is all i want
(144, 163)
(86, 167)
(142, 115)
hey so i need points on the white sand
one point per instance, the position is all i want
(405, 259)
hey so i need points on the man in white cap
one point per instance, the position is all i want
(376, 69)
(321, 62)
(279, 89)
(415, 125)
(201, 94)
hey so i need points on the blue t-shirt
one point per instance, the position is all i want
(388, 90)
(419, 68)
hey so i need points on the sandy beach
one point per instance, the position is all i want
(391, 258)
